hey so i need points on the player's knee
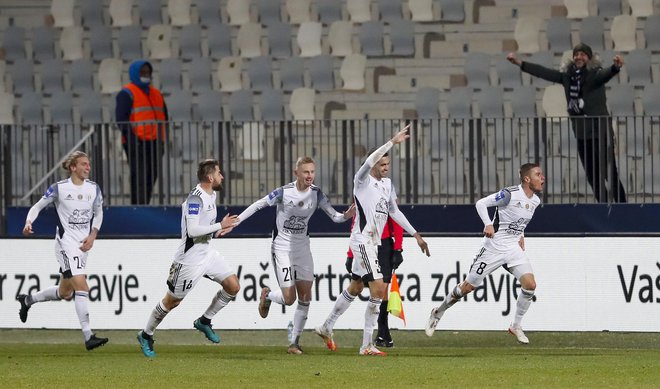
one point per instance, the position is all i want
(528, 282)
(232, 289)
(289, 300)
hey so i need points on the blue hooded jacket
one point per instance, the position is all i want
(124, 101)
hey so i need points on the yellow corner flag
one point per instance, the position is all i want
(394, 305)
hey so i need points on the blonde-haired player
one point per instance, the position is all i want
(79, 205)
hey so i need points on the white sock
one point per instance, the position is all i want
(157, 315)
(48, 294)
(452, 298)
(220, 300)
(299, 320)
(522, 305)
(341, 305)
(81, 300)
(370, 319)
(276, 296)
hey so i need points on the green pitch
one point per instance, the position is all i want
(252, 359)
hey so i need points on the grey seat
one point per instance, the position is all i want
(477, 69)
(460, 104)
(638, 67)
(90, 107)
(92, 14)
(371, 38)
(652, 32)
(81, 75)
(130, 43)
(269, 12)
(13, 41)
(651, 100)
(427, 102)
(591, 32)
(240, 106)
(279, 39)
(52, 76)
(390, 10)
(620, 99)
(190, 41)
(402, 36)
(292, 71)
(169, 71)
(43, 43)
(179, 106)
(219, 41)
(321, 72)
(523, 101)
(271, 105)
(508, 74)
(61, 108)
(150, 12)
(452, 11)
(558, 32)
(199, 74)
(30, 108)
(209, 106)
(329, 11)
(491, 102)
(259, 71)
(100, 42)
(609, 8)
(209, 12)
(22, 76)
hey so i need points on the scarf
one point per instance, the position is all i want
(575, 102)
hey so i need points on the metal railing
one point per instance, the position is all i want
(447, 161)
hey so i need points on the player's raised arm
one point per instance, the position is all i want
(374, 157)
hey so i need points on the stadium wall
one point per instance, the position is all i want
(584, 284)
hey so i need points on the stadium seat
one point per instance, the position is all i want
(90, 107)
(651, 32)
(240, 106)
(309, 39)
(421, 10)
(249, 40)
(292, 72)
(110, 71)
(150, 13)
(200, 75)
(238, 12)
(321, 72)
(459, 106)
(190, 42)
(229, 74)
(621, 99)
(92, 14)
(129, 42)
(477, 69)
(591, 32)
(352, 72)
(209, 12)
(298, 11)
(527, 33)
(651, 100)
(121, 13)
(340, 38)
(81, 75)
(609, 8)
(52, 76)
(252, 141)
(623, 32)
(71, 43)
(271, 105)
(509, 75)
(209, 106)
(30, 108)
(402, 37)
(390, 10)
(100, 42)
(219, 41)
(43, 43)
(554, 101)
(641, 8)
(22, 76)
(371, 35)
(558, 32)
(62, 12)
(61, 108)
(638, 66)
(179, 12)
(329, 11)
(359, 11)
(259, 71)
(159, 39)
(6, 108)
(302, 104)
(279, 39)
(179, 106)
(577, 9)
(427, 103)
(268, 11)
(169, 72)
(452, 11)
(523, 102)
(13, 43)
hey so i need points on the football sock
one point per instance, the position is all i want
(341, 305)
(522, 305)
(81, 300)
(276, 296)
(157, 315)
(299, 320)
(220, 300)
(48, 294)
(383, 325)
(370, 318)
(452, 298)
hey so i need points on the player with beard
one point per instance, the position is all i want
(195, 258)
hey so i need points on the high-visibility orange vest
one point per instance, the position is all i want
(147, 111)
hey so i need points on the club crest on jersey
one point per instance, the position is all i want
(193, 209)
(300, 204)
(80, 197)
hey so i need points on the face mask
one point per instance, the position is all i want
(145, 80)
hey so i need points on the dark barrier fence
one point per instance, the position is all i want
(447, 161)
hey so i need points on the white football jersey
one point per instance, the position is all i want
(199, 207)
(294, 210)
(373, 199)
(513, 213)
(76, 206)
